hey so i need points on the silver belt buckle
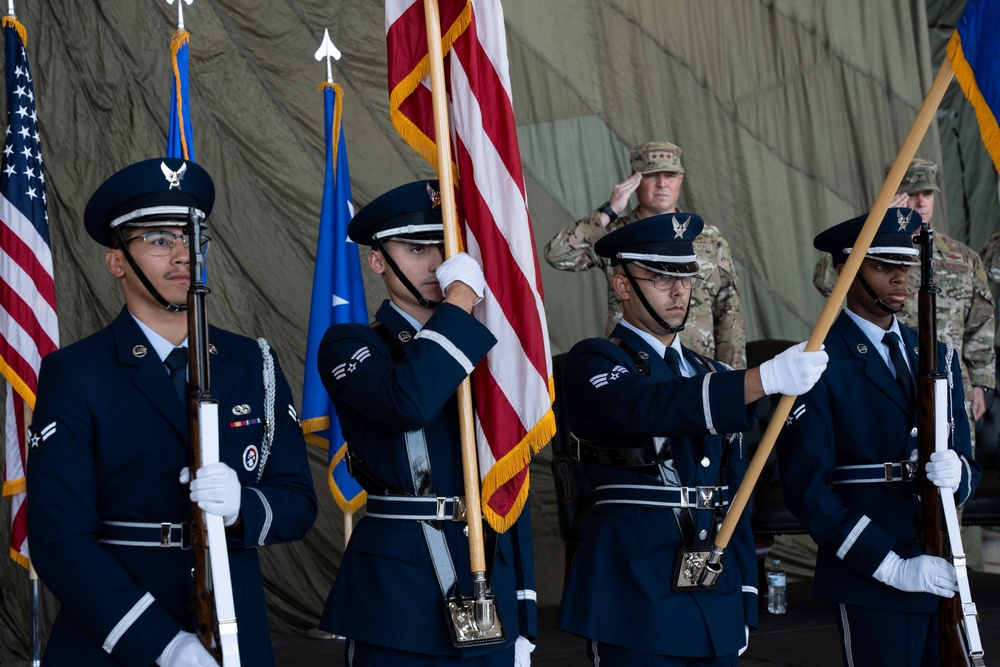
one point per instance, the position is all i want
(706, 498)
(165, 534)
(909, 470)
(439, 514)
(458, 509)
(685, 503)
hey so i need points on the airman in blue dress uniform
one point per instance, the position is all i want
(108, 518)
(393, 384)
(656, 428)
(845, 435)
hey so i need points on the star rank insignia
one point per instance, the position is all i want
(341, 371)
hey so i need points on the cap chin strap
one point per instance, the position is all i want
(172, 307)
(878, 302)
(421, 299)
(649, 309)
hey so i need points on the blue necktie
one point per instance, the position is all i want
(673, 360)
(177, 361)
(903, 377)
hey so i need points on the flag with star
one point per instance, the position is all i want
(28, 326)
(338, 297)
(180, 136)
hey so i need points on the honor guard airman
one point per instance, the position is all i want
(393, 384)
(109, 520)
(848, 459)
(656, 428)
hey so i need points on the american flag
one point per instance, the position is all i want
(513, 388)
(28, 326)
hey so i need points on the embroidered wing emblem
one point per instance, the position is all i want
(680, 228)
(903, 222)
(174, 178)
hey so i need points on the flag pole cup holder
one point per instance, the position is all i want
(474, 621)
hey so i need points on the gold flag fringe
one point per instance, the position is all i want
(180, 38)
(12, 22)
(966, 79)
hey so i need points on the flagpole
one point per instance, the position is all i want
(832, 307)
(466, 425)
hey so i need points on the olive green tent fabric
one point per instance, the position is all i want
(786, 111)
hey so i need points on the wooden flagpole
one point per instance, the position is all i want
(892, 180)
(466, 425)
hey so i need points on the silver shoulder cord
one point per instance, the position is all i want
(265, 446)
(942, 437)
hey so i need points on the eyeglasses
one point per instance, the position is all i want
(160, 243)
(663, 283)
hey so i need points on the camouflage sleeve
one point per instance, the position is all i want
(572, 249)
(824, 275)
(727, 315)
(977, 349)
(991, 257)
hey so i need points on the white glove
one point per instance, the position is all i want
(463, 268)
(793, 372)
(945, 470)
(217, 490)
(185, 650)
(522, 651)
(923, 574)
(746, 641)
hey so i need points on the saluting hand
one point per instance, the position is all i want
(620, 193)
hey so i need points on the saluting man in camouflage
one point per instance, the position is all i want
(964, 303)
(715, 321)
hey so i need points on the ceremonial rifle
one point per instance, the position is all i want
(215, 613)
(957, 625)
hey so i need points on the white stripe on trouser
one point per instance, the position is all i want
(127, 621)
(597, 657)
(847, 635)
(350, 653)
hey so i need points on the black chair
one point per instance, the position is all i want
(574, 495)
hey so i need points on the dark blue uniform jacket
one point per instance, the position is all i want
(386, 592)
(856, 415)
(619, 588)
(109, 438)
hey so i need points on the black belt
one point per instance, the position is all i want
(874, 473)
(140, 534)
(643, 460)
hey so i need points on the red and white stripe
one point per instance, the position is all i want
(28, 331)
(513, 389)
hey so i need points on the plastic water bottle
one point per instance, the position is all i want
(776, 588)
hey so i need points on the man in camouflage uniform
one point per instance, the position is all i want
(715, 321)
(964, 302)
(991, 257)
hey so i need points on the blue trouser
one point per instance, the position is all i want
(360, 654)
(880, 637)
(601, 654)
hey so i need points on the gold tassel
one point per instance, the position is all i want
(12, 22)
(179, 39)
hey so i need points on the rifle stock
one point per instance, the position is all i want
(199, 389)
(954, 648)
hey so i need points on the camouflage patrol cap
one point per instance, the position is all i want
(654, 156)
(921, 176)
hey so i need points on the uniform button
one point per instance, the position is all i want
(703, 535)
(705, 462)
(913, 432)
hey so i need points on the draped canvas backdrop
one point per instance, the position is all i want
(786, 111)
